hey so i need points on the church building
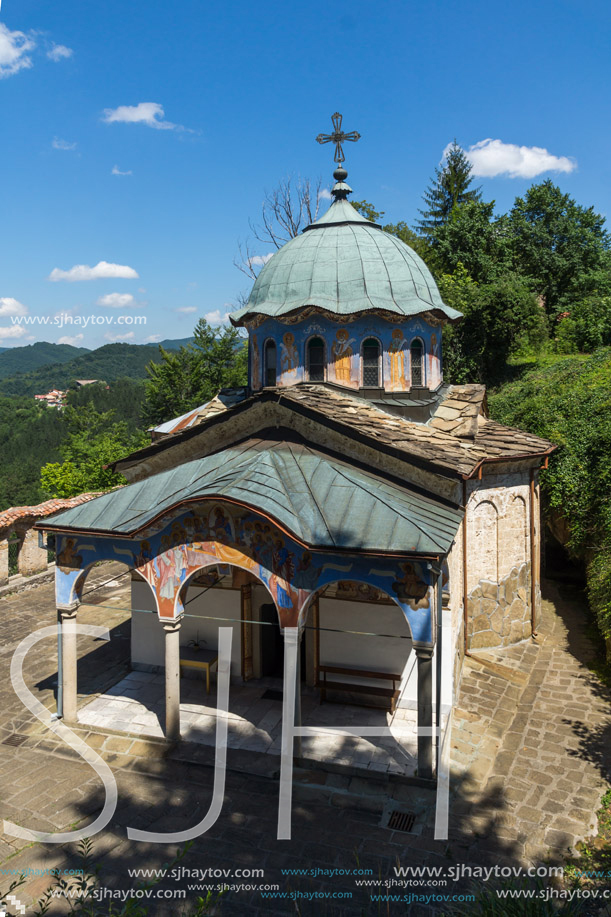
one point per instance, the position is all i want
(347, 495)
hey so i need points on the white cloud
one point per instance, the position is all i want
(59, 144)
(10, 306)
(149, 113)
(13, 331)
(73, 341)
(216, 317)
(117, 171)
(260, 260)
(119, 301)
(324, 195)
(186, 310)
(59, 52)
(115, 338)
(152, 339)
(493, 157)
(14, 48)
(102, 270)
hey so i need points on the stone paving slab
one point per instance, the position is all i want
(530, 759)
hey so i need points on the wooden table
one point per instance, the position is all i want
(198, 659)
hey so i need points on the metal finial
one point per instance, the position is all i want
(338, 137)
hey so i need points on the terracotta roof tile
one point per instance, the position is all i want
(21, 513)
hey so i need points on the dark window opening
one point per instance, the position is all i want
(14, 544)
(316, 360)
(270, 363)
(50, 548)
(416, 351)
(371, 363)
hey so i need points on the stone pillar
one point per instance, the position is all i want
(4, 559)
(68, 674)
(172, 680)
(425, 710)
(32, 558)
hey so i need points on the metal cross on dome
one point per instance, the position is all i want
(338, 137)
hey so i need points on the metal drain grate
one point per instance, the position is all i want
(271, 694)
(401, 821)
(14, 739)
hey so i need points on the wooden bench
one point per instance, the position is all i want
(392, 693)
(198, 659)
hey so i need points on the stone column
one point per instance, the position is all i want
(68, 674)
(424, 655)
(172, 680)
(4, 559)
(32, 558)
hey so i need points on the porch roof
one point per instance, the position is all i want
(323, 500)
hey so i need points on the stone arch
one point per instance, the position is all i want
(514, 540)
(354, 576)
(215, 563)
(483, 543)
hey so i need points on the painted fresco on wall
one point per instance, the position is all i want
(344, 368)
(212, 534)
(343, 347)
(399, 362)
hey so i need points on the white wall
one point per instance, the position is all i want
(148, 634)
(380, 654)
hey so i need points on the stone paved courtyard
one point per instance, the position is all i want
(136, 705)
(531, 753)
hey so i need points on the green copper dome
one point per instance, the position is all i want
(345, 264)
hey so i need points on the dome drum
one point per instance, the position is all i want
(366, 354)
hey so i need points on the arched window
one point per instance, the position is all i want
(269, 373)
(417, 356)
(316, 360)
(371, 363)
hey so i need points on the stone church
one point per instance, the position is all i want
(347, 495)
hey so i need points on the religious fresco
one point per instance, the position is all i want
(175, 548)
(343, 369)
(343, 348)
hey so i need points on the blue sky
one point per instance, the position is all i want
(206, 105)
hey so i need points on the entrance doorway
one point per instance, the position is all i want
(272, 644)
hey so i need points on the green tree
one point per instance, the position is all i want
(450, 187)
(499, 317)
(475, 239)
(557, 243)
(569, 403)
(194, 374)
(368, 210)
(93, 443)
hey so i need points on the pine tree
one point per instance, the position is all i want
(447, 191)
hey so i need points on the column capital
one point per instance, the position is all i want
(67, 611)
(171, 626)
(424, 652)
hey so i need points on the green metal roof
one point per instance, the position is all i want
(345, 264)
(323, 501)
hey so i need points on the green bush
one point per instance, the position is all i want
(569, 403)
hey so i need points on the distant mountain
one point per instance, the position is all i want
(26, 359)
(171, 345)
(109, 363)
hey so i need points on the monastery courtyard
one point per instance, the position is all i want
(531, 753)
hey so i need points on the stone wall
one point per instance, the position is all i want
(499, 613)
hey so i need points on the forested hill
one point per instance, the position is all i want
(109, 363)
(26, 359)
